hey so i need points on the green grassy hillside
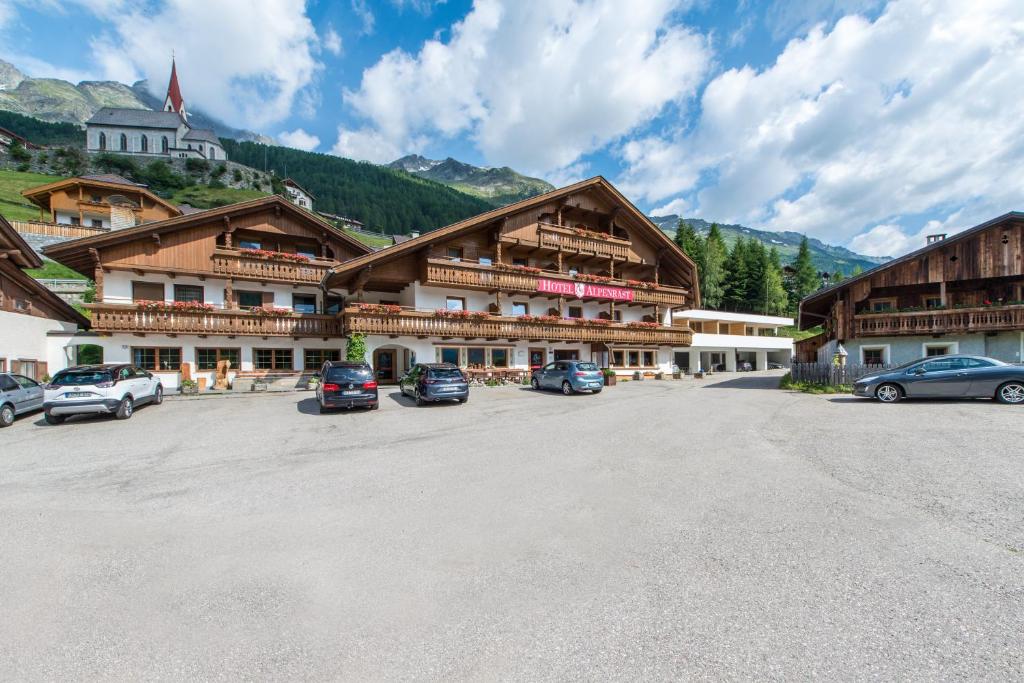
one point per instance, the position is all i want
(13, 206)
(203, 197)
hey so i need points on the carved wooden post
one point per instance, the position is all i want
(97, 274)
(227, 232)
(229, 294)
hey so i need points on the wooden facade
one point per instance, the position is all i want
(99, 198)
(971, 282)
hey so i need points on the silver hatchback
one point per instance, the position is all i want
(18, 395)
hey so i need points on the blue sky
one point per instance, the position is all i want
(861, 122)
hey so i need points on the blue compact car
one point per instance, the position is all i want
(569, 376)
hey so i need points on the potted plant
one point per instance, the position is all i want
(313, 382)
(659, 375)
(638, 376)
(610, 378)
(189, 386)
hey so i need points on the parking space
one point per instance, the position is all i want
(661, 529)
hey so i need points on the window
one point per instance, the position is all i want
(213, 152)
(968, 362)
(304, 303)
(936, 351)
(939, 349)
(520, 308)
(484, 261)
(449, 355)
(618, 358)
(145, 143)
(455, 303)
(873, 356)
(156, 358)
(476, 357)
(147, 291)
(189, 293)
(75, 220)
(103, 141)
(617, 315)
(749, 331)
(3, 364)
(124, 142)
(25, 382)
(96, 222)
(942, 365)
(520, 261)
(454, 253)
(634, 358)
(7, 384)
(648, 357)
(207, 359)
(164, 145)
(313, 359)
(272, 359)
(249, 244)
(306, 250)
(499, 358)
(334, 305)
(95, 198)
(575, 311)
(932, 302)
(22, 305)
(882, 305)
(248, 299)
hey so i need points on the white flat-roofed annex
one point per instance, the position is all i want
(728, 317)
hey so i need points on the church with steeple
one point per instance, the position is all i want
(144, 132)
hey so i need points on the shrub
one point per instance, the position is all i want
(237, 176)
(116, 163)
(18, 152)
(219, 170)
(355, 349)
(197, 166)
(215, 184)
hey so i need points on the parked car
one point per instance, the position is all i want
(18, 395)
(346, 385)
(570, 376)
(772, 365)
(744, 366)
(434, 382)
(946, 377)
(109, 388)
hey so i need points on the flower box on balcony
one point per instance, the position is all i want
(262, 312)
(461, 315)
(179, 306)
(383, 309)
(268, 254)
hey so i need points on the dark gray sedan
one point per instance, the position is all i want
(946, 377)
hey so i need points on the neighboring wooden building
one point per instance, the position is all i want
(100, 202)
(578, 272)
(240, 282)
(35, 323)
(961, 294)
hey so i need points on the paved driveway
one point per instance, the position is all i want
(659, 530)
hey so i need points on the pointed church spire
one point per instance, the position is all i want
(174, 101)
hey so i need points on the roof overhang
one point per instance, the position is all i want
(40, 195)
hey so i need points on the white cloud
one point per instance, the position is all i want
(858, 127)
(534, 85)
(244, 61)
(365, 16)
(678, 207)
(299, 139)
(369, 145)
(332, 41)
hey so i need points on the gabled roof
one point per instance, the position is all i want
(21, 254)
(289, 181)
(76, 252)
(596, 183)
(135, 118)
(40, 195)
(959, 237)
(201, 134)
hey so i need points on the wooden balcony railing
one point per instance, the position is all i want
(114, 318)
(987, 319)
(447, 273)
(237, 263)
(429, 324)
(560, 238)
(56, 229)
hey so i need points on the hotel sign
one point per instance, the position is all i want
(581, 290)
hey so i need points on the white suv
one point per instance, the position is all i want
(100, 389)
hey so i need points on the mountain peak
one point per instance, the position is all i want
(497, 185)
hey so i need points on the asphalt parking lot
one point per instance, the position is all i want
(660, 530)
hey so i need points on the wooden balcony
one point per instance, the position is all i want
(952, 321)
(468, 275)
(238, 264)
(56, 229)
(422, 324)
(560, 238)
(114, 318)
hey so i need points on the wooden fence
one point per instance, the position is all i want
(834, 375)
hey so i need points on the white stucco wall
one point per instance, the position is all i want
(117, 288)
(25, 337)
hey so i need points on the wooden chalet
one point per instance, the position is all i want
(240, 283)
(31, 316)
(576, 273)
(958, 294)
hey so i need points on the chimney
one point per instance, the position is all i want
(932, 239)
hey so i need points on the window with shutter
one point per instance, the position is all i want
(147, 291)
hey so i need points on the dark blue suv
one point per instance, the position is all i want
(434, 382)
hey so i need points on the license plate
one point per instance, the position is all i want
(75, 394)
(595, 384)
(353, 392)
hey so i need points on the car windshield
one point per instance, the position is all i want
(75, 378)
(348, 375)
(444, 373)
(589, 367)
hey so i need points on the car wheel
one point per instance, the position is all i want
(462, 400)
(419, 399)
(375, 406)
(6, 415)
(1011, 393)
(54, 419)
(596, 391)
(567, 389)
(125, 409)
(535, 383)
(158, 396)
(888, 393)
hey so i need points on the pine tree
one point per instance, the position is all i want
(776, 301)
(805, 280)
(690, 241)
(715, 253)
(736, 279)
